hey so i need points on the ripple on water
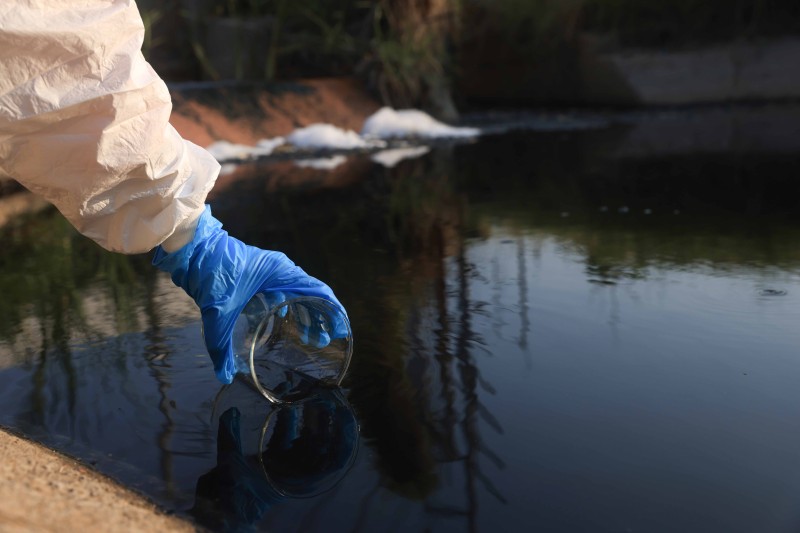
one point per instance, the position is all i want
(772, 293)
(742, 303)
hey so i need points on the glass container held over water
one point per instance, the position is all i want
(291, 345)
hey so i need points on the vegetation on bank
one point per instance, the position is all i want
(654, 23)
(411, 51)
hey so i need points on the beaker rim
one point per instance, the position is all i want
(270, 316)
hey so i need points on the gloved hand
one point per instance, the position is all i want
(222, 274)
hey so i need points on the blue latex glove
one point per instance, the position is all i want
(314, 327)
(222, 273)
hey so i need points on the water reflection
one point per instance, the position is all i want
(514, 368)
(302, 450)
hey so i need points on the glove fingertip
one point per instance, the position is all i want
(324, 339)
(226, 370)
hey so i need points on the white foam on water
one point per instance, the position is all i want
(392, 157)
(227, 151)
(327, 163)
(270, 144)
(388, 123)
(228, 168)
(327, 136)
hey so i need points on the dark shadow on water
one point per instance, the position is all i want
(302, 451)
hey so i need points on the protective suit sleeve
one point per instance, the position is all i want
(84, 122)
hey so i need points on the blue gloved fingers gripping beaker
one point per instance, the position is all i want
(314, 326)
(292, 351)
(274, 299)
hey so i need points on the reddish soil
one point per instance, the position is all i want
(246, 115)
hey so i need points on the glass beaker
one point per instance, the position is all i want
(291, 345)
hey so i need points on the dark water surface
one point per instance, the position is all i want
(555, 331)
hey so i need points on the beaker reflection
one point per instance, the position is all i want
(300, 450)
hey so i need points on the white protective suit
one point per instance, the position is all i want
(84, 123)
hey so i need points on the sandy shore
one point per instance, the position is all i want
(41, 490)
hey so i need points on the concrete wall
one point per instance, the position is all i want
(758, 71)
(595, 71)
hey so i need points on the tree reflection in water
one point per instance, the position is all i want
(438, 263)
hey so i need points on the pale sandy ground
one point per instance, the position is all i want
(43, 491)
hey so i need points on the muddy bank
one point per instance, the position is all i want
(204, 113)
